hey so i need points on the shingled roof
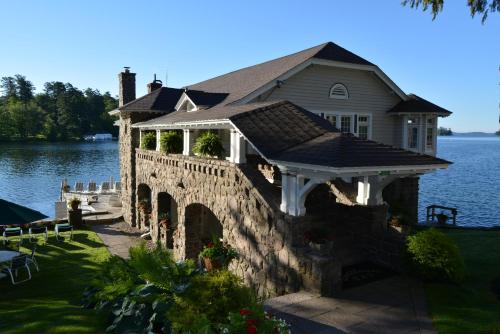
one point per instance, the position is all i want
(242, 82)
(283, 131)
(416, 104)
(160, 100)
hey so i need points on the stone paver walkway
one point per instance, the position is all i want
(118, 237)
(393, 305)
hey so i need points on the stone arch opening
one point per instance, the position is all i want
(143, 205)
(201, 227)
(167, 219)
(320, 200)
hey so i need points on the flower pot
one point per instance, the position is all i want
(211, 264)
(442, 218)
(74, 206)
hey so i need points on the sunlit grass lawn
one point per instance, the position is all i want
(472, 307)
(50, 301)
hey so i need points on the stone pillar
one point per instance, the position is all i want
(188, 142)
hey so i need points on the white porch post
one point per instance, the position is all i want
(370, 189)
(284, 192)
(158, 133)
(238, 149)
(404, 143)
(188, 142)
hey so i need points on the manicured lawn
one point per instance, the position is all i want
(50, 302)
(472, 307)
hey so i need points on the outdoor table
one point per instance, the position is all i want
(6, 256)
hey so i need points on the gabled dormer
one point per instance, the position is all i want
(194, 100)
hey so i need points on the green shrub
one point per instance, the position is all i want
(148, 141)
(208, 145)
(435, 257)
(171, 142)
(209, 299)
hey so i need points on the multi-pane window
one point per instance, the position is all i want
(359, 125)
(363, 127)
(345, 124)
(413, 128)
(332, 119)
(429, 134)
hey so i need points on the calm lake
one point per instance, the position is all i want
(30, 174)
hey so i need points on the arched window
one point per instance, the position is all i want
(339, 92)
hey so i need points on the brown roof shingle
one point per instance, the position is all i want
(416, 104)
(163, 99)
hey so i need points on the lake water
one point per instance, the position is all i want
(30, 174)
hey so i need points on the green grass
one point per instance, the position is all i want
(50, 301)
(471, 307)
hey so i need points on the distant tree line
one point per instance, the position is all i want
(60, 112)
(497, 133)
(444, 131)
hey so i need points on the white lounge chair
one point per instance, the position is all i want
(79, 186)
(118, 186)
(92, 187)
(65, 227)
(105, 187)
(12, 232)
(38, 230)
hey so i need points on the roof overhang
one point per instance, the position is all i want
(114, 112)
(325, 171)
(437, 114)
(316, 61)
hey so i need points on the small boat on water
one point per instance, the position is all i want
(99, 136)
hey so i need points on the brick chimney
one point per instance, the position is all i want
(154, 85)
(127, 86)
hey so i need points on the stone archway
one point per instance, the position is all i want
(143, 206)
(167, 206)
(201, 226)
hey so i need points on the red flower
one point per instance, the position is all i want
(245, 311)
(251, 322)
(252, 330)
(210, 244)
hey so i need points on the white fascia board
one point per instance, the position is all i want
(114, 112)
(354, 171)
(314, 61)
(221, 124)
(184, 97)
(418, 114)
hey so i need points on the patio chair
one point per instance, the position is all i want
(118, 186)
(12, 232)
(18, 262)
(105, 187)
(38, 230)
(92, 187)
(63, 228)
(31, 258)
(79, 186)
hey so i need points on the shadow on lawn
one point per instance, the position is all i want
(50, 301)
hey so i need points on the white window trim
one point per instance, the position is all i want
(183, 100)
(339, 114)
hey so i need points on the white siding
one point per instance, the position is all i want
(367, 94)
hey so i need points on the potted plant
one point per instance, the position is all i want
(208, 145)
(74, 203)
(319, 240)
(164, 220)
(217, 254)
(171, 142)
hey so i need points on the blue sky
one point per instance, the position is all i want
(452, 61)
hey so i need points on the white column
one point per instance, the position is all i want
(284, 192)
(292, 195)
(238, 148)
(188, 142)
(363, 191)
(158, 133)
(404, 131)
(370, 189)
(423, 133)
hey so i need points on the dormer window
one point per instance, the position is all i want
(339, 92)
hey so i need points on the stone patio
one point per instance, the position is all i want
(118, 237)
(393, 305)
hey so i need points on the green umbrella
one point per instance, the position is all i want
(15, 214)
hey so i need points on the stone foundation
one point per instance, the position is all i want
(273, 256)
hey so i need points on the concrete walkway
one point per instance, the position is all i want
(118, 237)
(393, 305)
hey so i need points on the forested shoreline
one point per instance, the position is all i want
(61, 112)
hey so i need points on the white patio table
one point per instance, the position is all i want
(6, 256)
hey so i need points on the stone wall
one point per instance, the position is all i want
(273, 257)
